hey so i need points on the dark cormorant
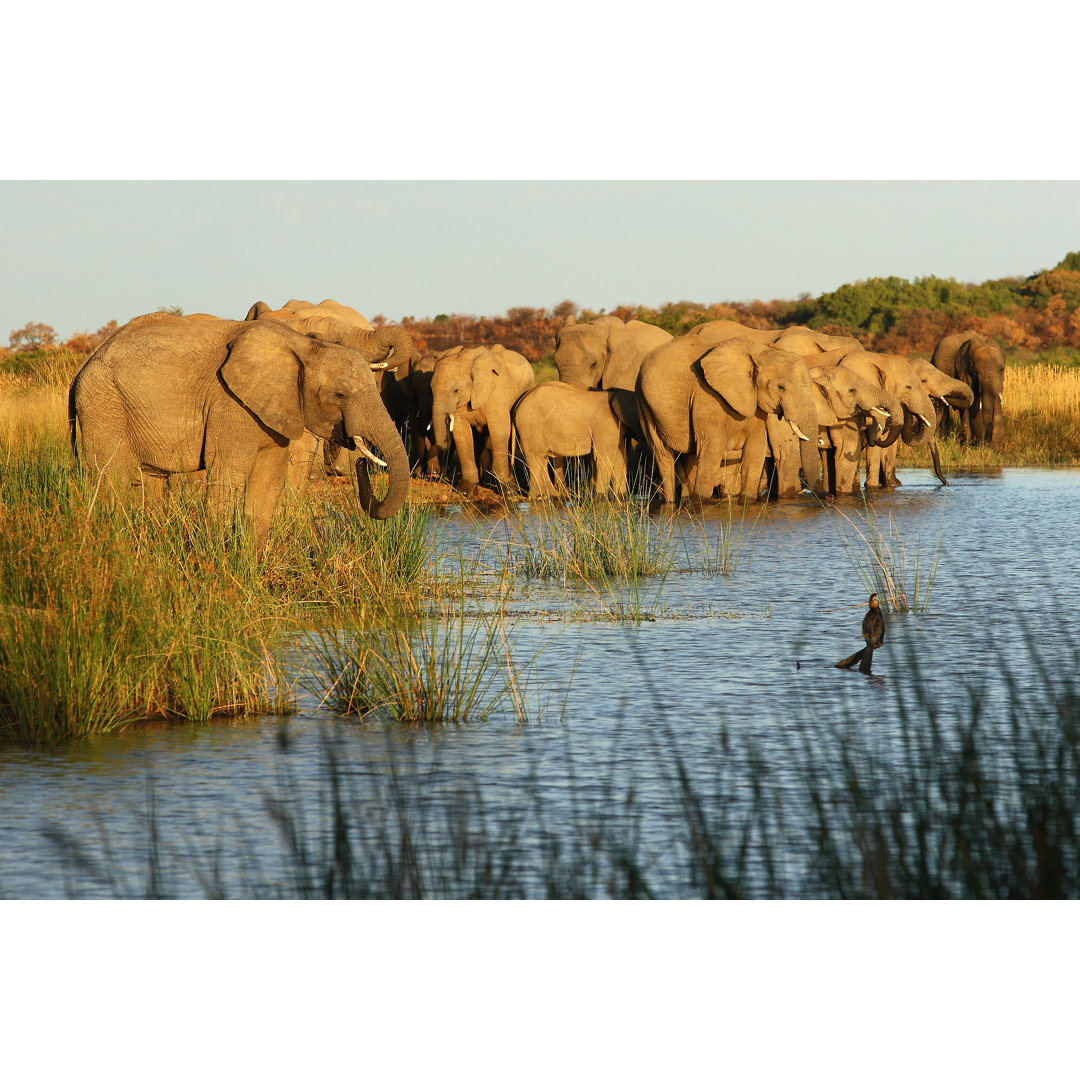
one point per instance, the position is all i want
(873, 632)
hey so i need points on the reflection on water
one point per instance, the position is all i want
(732, 679)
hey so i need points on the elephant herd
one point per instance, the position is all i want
(722, 410)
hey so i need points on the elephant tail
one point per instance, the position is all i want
(72, 422)
(860, 658)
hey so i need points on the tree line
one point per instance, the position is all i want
(888, 314)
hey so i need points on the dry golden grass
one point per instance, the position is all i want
(31, 414)
(1042, 389)
(1042, 424)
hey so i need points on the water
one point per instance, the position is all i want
(725, 669)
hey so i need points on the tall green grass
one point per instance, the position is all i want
(446, 667)
(110, 615)
(615, 552)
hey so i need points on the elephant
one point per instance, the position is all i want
(717, 330)
(845, 403)
(389, 347)
(167, 395)
(896, 376)
(710, 403)
(473, 389)
(556, 420)
(940, 388)
(605, 352)
(807, 342)
(972, 359)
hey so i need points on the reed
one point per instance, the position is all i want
(440, 668)
(1042, 424)
(718, 552)
(110, 616)
(886, 562)
(614, 553)
(937, 812)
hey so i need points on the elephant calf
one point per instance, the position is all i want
(555, 421)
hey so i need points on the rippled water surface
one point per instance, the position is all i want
(749, 654)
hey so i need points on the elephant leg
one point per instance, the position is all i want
(466, 452)
(753, 465)
(662, 455)
(846, 453)
(265, 483)
(888, 465)
(499, 439)
(540, 485)
(874, 461)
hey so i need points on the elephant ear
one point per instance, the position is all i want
(624, 406)
(263, 371)
(826, 416)
(729, 370)
(485, 376)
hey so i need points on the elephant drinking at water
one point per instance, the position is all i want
(710, 405)
(168, 395)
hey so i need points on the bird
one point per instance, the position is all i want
(873, 632)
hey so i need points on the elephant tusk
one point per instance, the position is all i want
(360, 445)
(378, 365)
(798, 431)
(923, 419)
(451, 423)
(881, 412)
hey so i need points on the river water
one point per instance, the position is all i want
(728, 678)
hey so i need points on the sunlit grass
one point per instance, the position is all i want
(1042, 425)
(446, 667)
(720, 553)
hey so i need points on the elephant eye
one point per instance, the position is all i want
(339, 394)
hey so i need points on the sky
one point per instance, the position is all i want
(472, 158)
(78, 253)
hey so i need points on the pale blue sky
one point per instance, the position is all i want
(78, 253)
(427, 158)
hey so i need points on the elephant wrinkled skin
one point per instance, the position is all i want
(169, 395)
(980, 364)
(710, 403)
(388, 348)
(556, 421)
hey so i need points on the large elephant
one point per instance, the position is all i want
(168, 395)
(807, 342)
(710, 403)
(972, 359)
(845, 404)
(473, 389)
(605, 352)
(894, 374)
(555, 421)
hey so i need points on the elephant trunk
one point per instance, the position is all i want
(884, 431)
(377, 438)
(801, 414)
(393, 345)
(920, 422)
(937, 462)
